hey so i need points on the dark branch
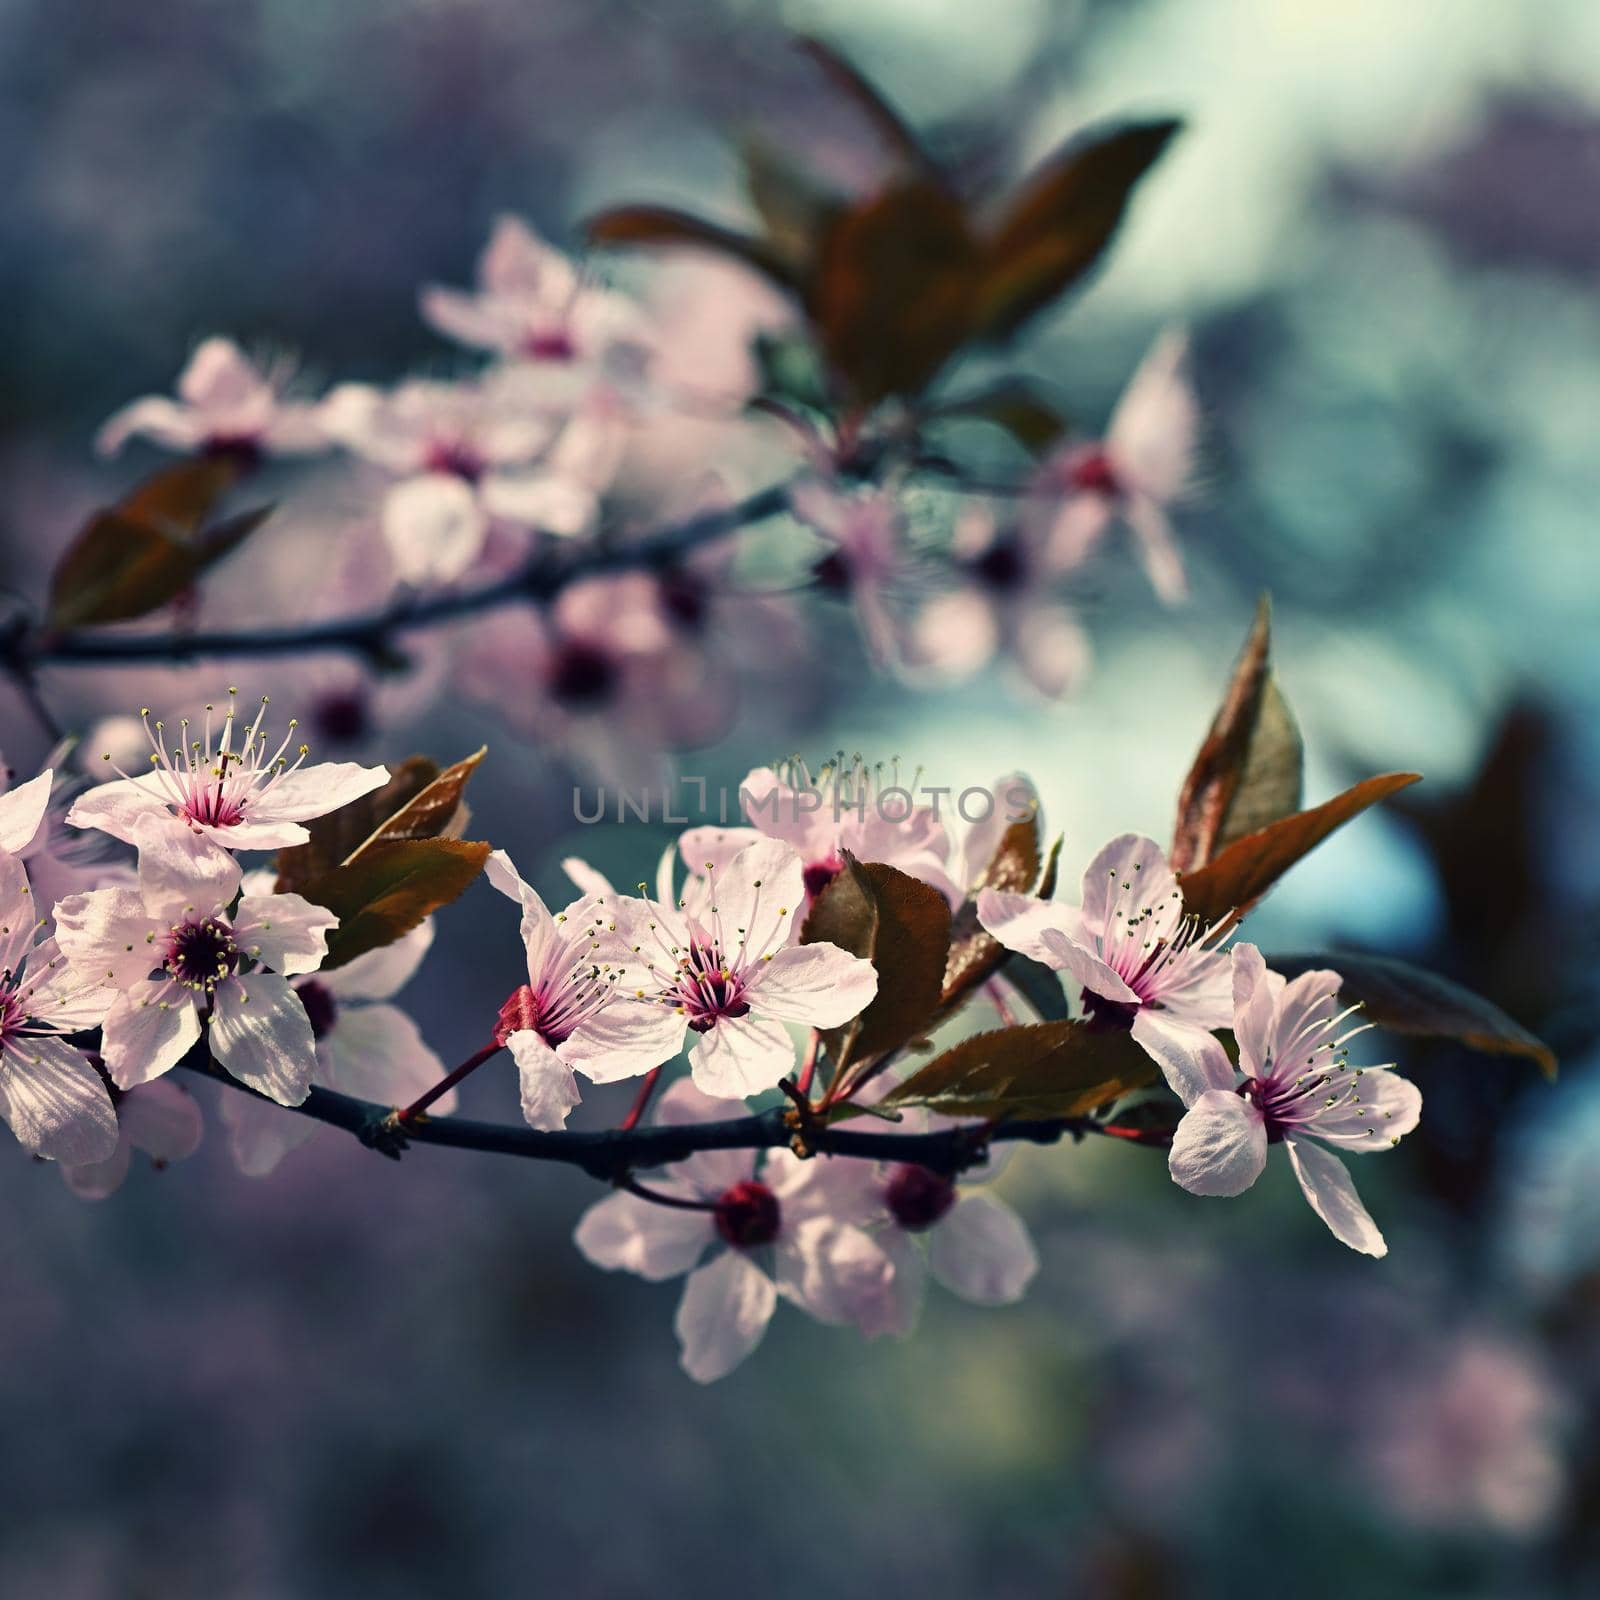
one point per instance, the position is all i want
(373, 634)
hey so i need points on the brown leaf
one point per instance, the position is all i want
(1061, 221)
(893, 294)
(1247, 773)
(889, 125)
(902, 926)
(1410, 1000)
(667, 226)
(336, 835)
(975, 955)
(1031, 1073)
(1234, 880)
(429, 814)
(1012, 405)
(795, 209)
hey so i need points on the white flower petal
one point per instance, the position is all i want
(549, 1090)
(381, 973)
(1191, 1060)
(260, 1034)
(261, 1134)
(1220, 1146)
(624, 1233)
(377, 1052)
(819, 985)
(981, 1251)
(725, 1309)
(434, 527)
(309, 792)
(741, 1056)
(148, 1030)
(22, 810)
(162, 1119)
(623, 1039)
(1333, 1197)
(54, 1101)
(285, 932)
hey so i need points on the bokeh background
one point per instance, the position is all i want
(360, 1379)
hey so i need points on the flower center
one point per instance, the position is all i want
(201, 954)
(747, 1215)
(1095, 473)
(684, 599)
(322, 1010)
(550, 344)
(582, 675)
(522, 1013)
(12, 1015)
(457, 458)
(709, 989)
(1000, 566)
(917, 1198)
(213, 806)
(343, 718)
(242, 449)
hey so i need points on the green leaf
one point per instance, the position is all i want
(1409, 1000)
(1059, 224)
(1247, 773)
(390, 888)
(1234, 880)
(902, 926)
(1031, 1073)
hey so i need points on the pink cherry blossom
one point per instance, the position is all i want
(226, 404)
(1134, 475)
(532, 305)
(52, 1099)
(22, 810)
(60, 860)
(1130, 945)
(769, 1237)
(725, 965)
(239, 792)
(364, 1047)
(570, 1013)
(161, 1119)
(847, 806)
(184, 962)
(1294, 1085)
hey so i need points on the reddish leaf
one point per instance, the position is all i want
(889, 125)
(1031, 1073)
(1409, 1000)
(1248, 771)
(1012, 405)
(1238, 877)
(975, 956)
(336, 835)
(667, 226)
(434, 812)
(794, 207)
(1060, 223)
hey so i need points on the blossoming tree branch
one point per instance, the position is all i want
(834, 1019)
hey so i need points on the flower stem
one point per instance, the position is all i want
(657, 1198)
(641, 1101)
(447, 1083)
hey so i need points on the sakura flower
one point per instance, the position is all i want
(725, 966)
(1001, 605)
(769, 1237)
(226, 405)
(252, 797)
(532, 305)
(1134, 475)
(1138, 957)
(59, 859)
(50, 1096)
(846, 807)
(364, 1047)
(570, 1013)
(22, 811)
(180, 958)
(159, 1118)
(870, 556)
(1294, 1085)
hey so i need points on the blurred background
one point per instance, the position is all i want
(353, 1378)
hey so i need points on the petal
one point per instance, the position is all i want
(741, 1056)
(816, 984)
(981, 1251)
(1155, 427)
(107, 936)
(1012, 799)
(378, 1053)
(713, 847)
(549, 1090)
(149, 1029)
(99, 1180)
(1086, 968)
(155, 417)
(261, 1134)
(1305, 1008)
(116, 807)
(1333, 1197)
(725, 1309)
(55, 1101)
(1020, 921)
(759, 889)
(434, 528)
(22, 810)
(309, 792)
(162, 1119)
(383, 972)
(835, 1272)
(1220, 1146)
(1127, 878)
(1051, 648)
(625, 1233)
(1388, 1109)
(1254, 1013)
(19, 916)
(623, 1039)
(683, 1101)
(1157, 548)
(179, 871)
(1191, 1060)
(260, 1034)
(285, 932)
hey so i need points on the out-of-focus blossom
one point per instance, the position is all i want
(1294, 1085)
(50, 1096)
(571, 1012)
(1138, 957)
(364, 1047)
(60, 860)
(226, 405)
(1001, 605)
(724, 964)
(176, 926)
(159, 1118)
(22, 809)
(249, 797)
(1135, 475)
(533, 305)
(771, 1240)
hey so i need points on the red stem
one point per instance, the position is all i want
(641, 1101)
(808, 1067)
(448, 1082)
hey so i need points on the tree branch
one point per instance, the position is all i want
(372, 634)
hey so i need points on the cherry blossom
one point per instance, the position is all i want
(226, 405)
(235, 790)
(183, 963)
(161, 1119)
(1134, 475)
(364, 1047)
(1139, 958)
(533, 305)
(770, 1237)
(570, 1014)
(1294, 1085)
(725, 964)
(33, 827)
(52, 1099)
